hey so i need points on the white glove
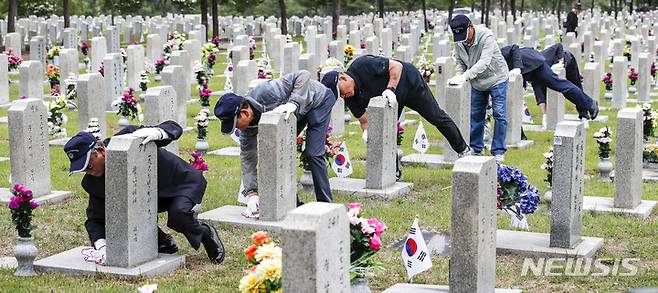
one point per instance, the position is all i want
(457, 79)
(287, 108)
(364, 136)
(390, 96)
(150, 134)
(515, 71)
(252, 207)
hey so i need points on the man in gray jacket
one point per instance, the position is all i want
(479, 61)
(294, 93)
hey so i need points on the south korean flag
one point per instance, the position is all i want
(242, 194)
(415, 255)
(421, 144)
(342, 165)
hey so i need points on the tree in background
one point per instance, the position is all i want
(203, 6)
(11, 16)
(65, 7)
(283, 15)
(215, 18)
(380, 8)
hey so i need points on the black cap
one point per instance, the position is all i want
(330, 80)
(226, 109)
(78, 150)
(459, 26)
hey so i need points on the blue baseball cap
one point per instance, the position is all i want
(78, 150)
(226, 109)
(459, 26)
(330, 80)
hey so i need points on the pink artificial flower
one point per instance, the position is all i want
(34, 204)
(23, 97)
(14, 202)
(379, 226)
(196, 155)
(375, 243)
(355, 206)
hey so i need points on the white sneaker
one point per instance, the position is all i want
(252, 207)
(586, 121)
(499, 158)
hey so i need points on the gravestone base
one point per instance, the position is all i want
(521, 144)
(8, 262)
(71, 262)
(649, 175)
(227, 151)
(232, 215)
(2, 159)
(3, 120)
(422, 288)
(408, 122)
(650, 101)
(535, 128)
(574, 117)
(426, 160)
(53, 197)
(606, 205)
(537, 245)
(188, 129)
(351, 186)
(192, 101)
(60, 142)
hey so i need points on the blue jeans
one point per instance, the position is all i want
(479, 101)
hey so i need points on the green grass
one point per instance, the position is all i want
(60, 226)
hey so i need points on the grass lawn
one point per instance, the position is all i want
(60, 226)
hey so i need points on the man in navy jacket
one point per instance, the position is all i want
(536, 70)
(180, 189)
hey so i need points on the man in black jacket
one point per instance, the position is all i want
(535, 69)
(571, 25)
(180, 189)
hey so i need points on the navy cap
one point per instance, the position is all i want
(78, 150)
(226, 109)
(459, 26)
(330, 80)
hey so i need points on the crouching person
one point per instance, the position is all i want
(180, 190)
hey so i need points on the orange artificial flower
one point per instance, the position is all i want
(253, 268)
(250, 252)
(260, 237)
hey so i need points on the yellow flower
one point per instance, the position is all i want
(269, 250)
(251, 283)
(349, 50)
(270, 269)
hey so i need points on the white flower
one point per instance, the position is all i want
(605, 140)
(148, 288)
(548, 155)
(353, 219)
(365, 227)
(544, 166)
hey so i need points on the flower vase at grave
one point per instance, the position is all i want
(548, 194)
(201, 146)
(359, 285)
(605, 167)
(123, 122)
(25, 252)
(56, 60)
(157, 77)
(307, 181)
(608, 95)
(632, 88)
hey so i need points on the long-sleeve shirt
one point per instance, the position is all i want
(297, 88)
(175, 178)
(481, 62)
(572, 22)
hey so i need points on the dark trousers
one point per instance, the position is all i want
(181, 218)
(425, 104)
(544, 77)
(317, 121)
